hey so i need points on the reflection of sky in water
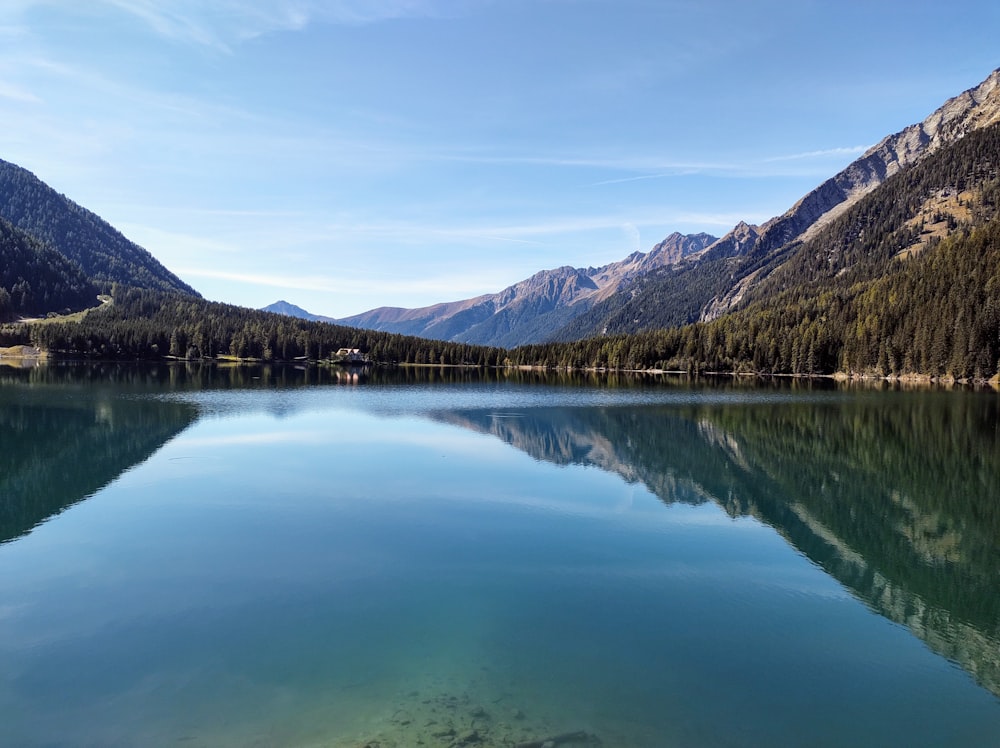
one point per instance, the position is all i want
(504, 398)
(283, 570)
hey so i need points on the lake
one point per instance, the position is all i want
(278, 557)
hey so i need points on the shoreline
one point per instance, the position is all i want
(36, 356)
(23, 353)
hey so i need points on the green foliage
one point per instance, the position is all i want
(104, 254)
(144, 324)
(99, 436)
(36, 279)
(937, 314)
(863, 243)
(843, 301)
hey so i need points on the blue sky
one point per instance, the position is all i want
(348, 154)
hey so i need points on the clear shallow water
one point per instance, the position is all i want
(416, 564)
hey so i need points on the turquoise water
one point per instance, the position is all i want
(275, 563)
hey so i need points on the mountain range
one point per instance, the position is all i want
(530, 310)
(889, 267)
(682, 279)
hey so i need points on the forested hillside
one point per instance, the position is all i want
(105, 255)
(36, 279)
(101, 437)
(668, 297)
(905, 282)
(721, 279)
(937, 314)
(143, 324)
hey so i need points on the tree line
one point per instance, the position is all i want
(846, 301)
(152, 325)
(937, 314)
(864, 240)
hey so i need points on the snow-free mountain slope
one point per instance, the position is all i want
(529, 311)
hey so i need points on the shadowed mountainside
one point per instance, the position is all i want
(105, 255)
(36, 279)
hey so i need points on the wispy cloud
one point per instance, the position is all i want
(222, 23)
(16, 93)
(637, 162)
(176, 242)
(263, 233)
(574, 224)
(301, 282)
(643, 166)
(842, 151)
(639, 178)
(512, 240)
(13, 31)
(178, 21)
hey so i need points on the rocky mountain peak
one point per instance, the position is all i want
(558, 287)
(971, 110)
(531, 309)
(975, 108)
(740, 240)
(552, 301)
(678, 246)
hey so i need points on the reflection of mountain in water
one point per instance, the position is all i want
(895, 495)
(60, 444)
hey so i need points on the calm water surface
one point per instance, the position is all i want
(222, 560)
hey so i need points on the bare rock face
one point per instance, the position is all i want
(676, 247)
(737, 242)
(530, 309)
(976, 108)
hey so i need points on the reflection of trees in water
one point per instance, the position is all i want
(895, 495)
(60, 444)
(68, 430)
(908, 485)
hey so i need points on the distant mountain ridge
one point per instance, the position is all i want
(291, 310)
(531, 310)
(708, 284)
(670, 288)
(888, 268)
(103, 253)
